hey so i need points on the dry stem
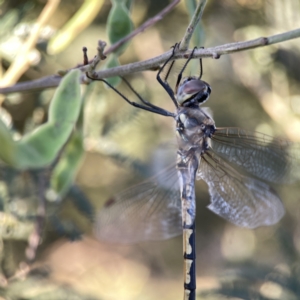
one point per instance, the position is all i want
(214, 52)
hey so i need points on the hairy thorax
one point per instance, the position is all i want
(194, 128)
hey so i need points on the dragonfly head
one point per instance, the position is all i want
(192, 91)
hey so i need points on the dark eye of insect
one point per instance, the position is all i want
(203, 98)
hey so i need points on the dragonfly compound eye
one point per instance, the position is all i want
(193, 92)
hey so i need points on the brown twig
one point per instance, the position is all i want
(141, 28)
(91, 66)
(184, 44)
(53, 81)
(214, 52)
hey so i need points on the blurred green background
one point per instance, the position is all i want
(255, 90)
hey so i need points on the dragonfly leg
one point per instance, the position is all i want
(179, 77)
(147, 105)
(164, 83)
(153, 108)
(201, 68)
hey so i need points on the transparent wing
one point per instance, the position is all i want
(244, 201)
(148, 211)
(271, 159)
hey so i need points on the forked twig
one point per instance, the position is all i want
(140, 29)
(214, 52)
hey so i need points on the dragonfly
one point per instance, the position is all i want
(237, 165)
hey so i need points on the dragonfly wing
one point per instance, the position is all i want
(271, 159)
(244, 201)
(148, 211)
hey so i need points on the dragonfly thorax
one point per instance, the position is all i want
(194, 128)
(192, 91)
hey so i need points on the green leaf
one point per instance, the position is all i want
(7, 148)
(40, 147)
(67, 167)
(62, 109)
(119, 24)
(128, 4)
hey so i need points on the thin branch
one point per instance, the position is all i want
(33, 85)
(53, 81)
(91, 66)
(259, 42)
(214, 52)
(141, 28)
(184, 44)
